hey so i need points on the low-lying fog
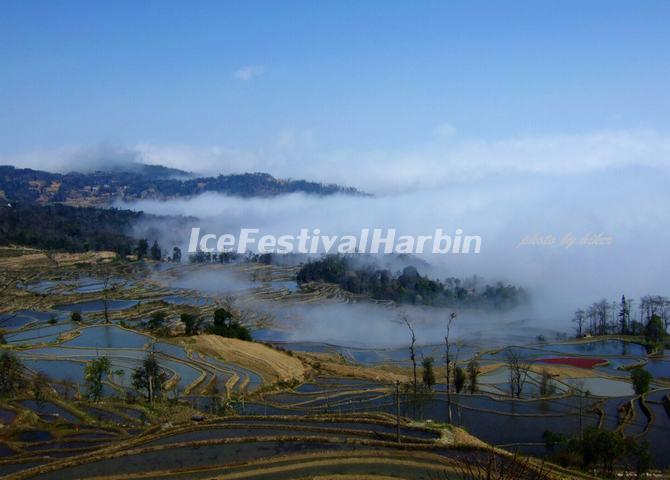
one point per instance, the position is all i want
(627, 204)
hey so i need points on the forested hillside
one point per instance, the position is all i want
(72, 229)
(143, 181)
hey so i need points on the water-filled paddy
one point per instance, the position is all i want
(34, 436)
(105, 415)
(57, 369)
(639, 422)
(10, 468)
(73, 286)
(254, 431)
(171, 349)
(18, 319)
(188, 300)
(254, 380)
(108, 336)
(42, 286)
(187, 373)
(192, 457)
(97, 306)
(599, 347)
(82, 353)
(659, 368)
(613, 411)
(66, 445)
(658, 434)
(7, 416)
(5, 451)
(290, 285)
(369, 426)
(602, 387)
(42, 334)
(49, 411)
(91, 436)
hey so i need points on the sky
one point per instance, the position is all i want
(304, 87)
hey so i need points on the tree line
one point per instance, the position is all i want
(70, 229)
(650, 318)
(408, 286)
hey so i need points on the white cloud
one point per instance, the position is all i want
(249, 72)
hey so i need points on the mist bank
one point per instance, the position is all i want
(362, 324)
(628, 205)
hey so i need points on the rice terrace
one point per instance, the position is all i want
(364, 240)
(231, 408)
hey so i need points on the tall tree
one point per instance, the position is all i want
(156, 320)
(106, 290)
(547, 387)
(155, 251)
(655, 330)
(579, 319)
(624, 315)
(191, 324)
(641, 380)
(428, 372)
(40, 385)
(150, 378)
(225, 325)
(459, 379)
(142, 248)
(11, 377)
(94, 372)
(473, 374)
(602, 311)
(655, 305)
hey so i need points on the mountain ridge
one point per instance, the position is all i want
(139, 181)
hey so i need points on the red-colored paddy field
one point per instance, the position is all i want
(574, 361)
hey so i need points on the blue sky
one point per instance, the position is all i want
(353, 75)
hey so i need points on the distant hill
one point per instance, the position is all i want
(139, 181)
(66, 228)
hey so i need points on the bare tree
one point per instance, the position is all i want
(580, 320)
(624, 315)
(518, 372)
(602, 311)
(105, 294)
(452, 317)
(547, 387)
(592, 316)
(412, 353)
(578, 387)
(499, 467)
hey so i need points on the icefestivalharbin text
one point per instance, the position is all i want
(308, 241)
